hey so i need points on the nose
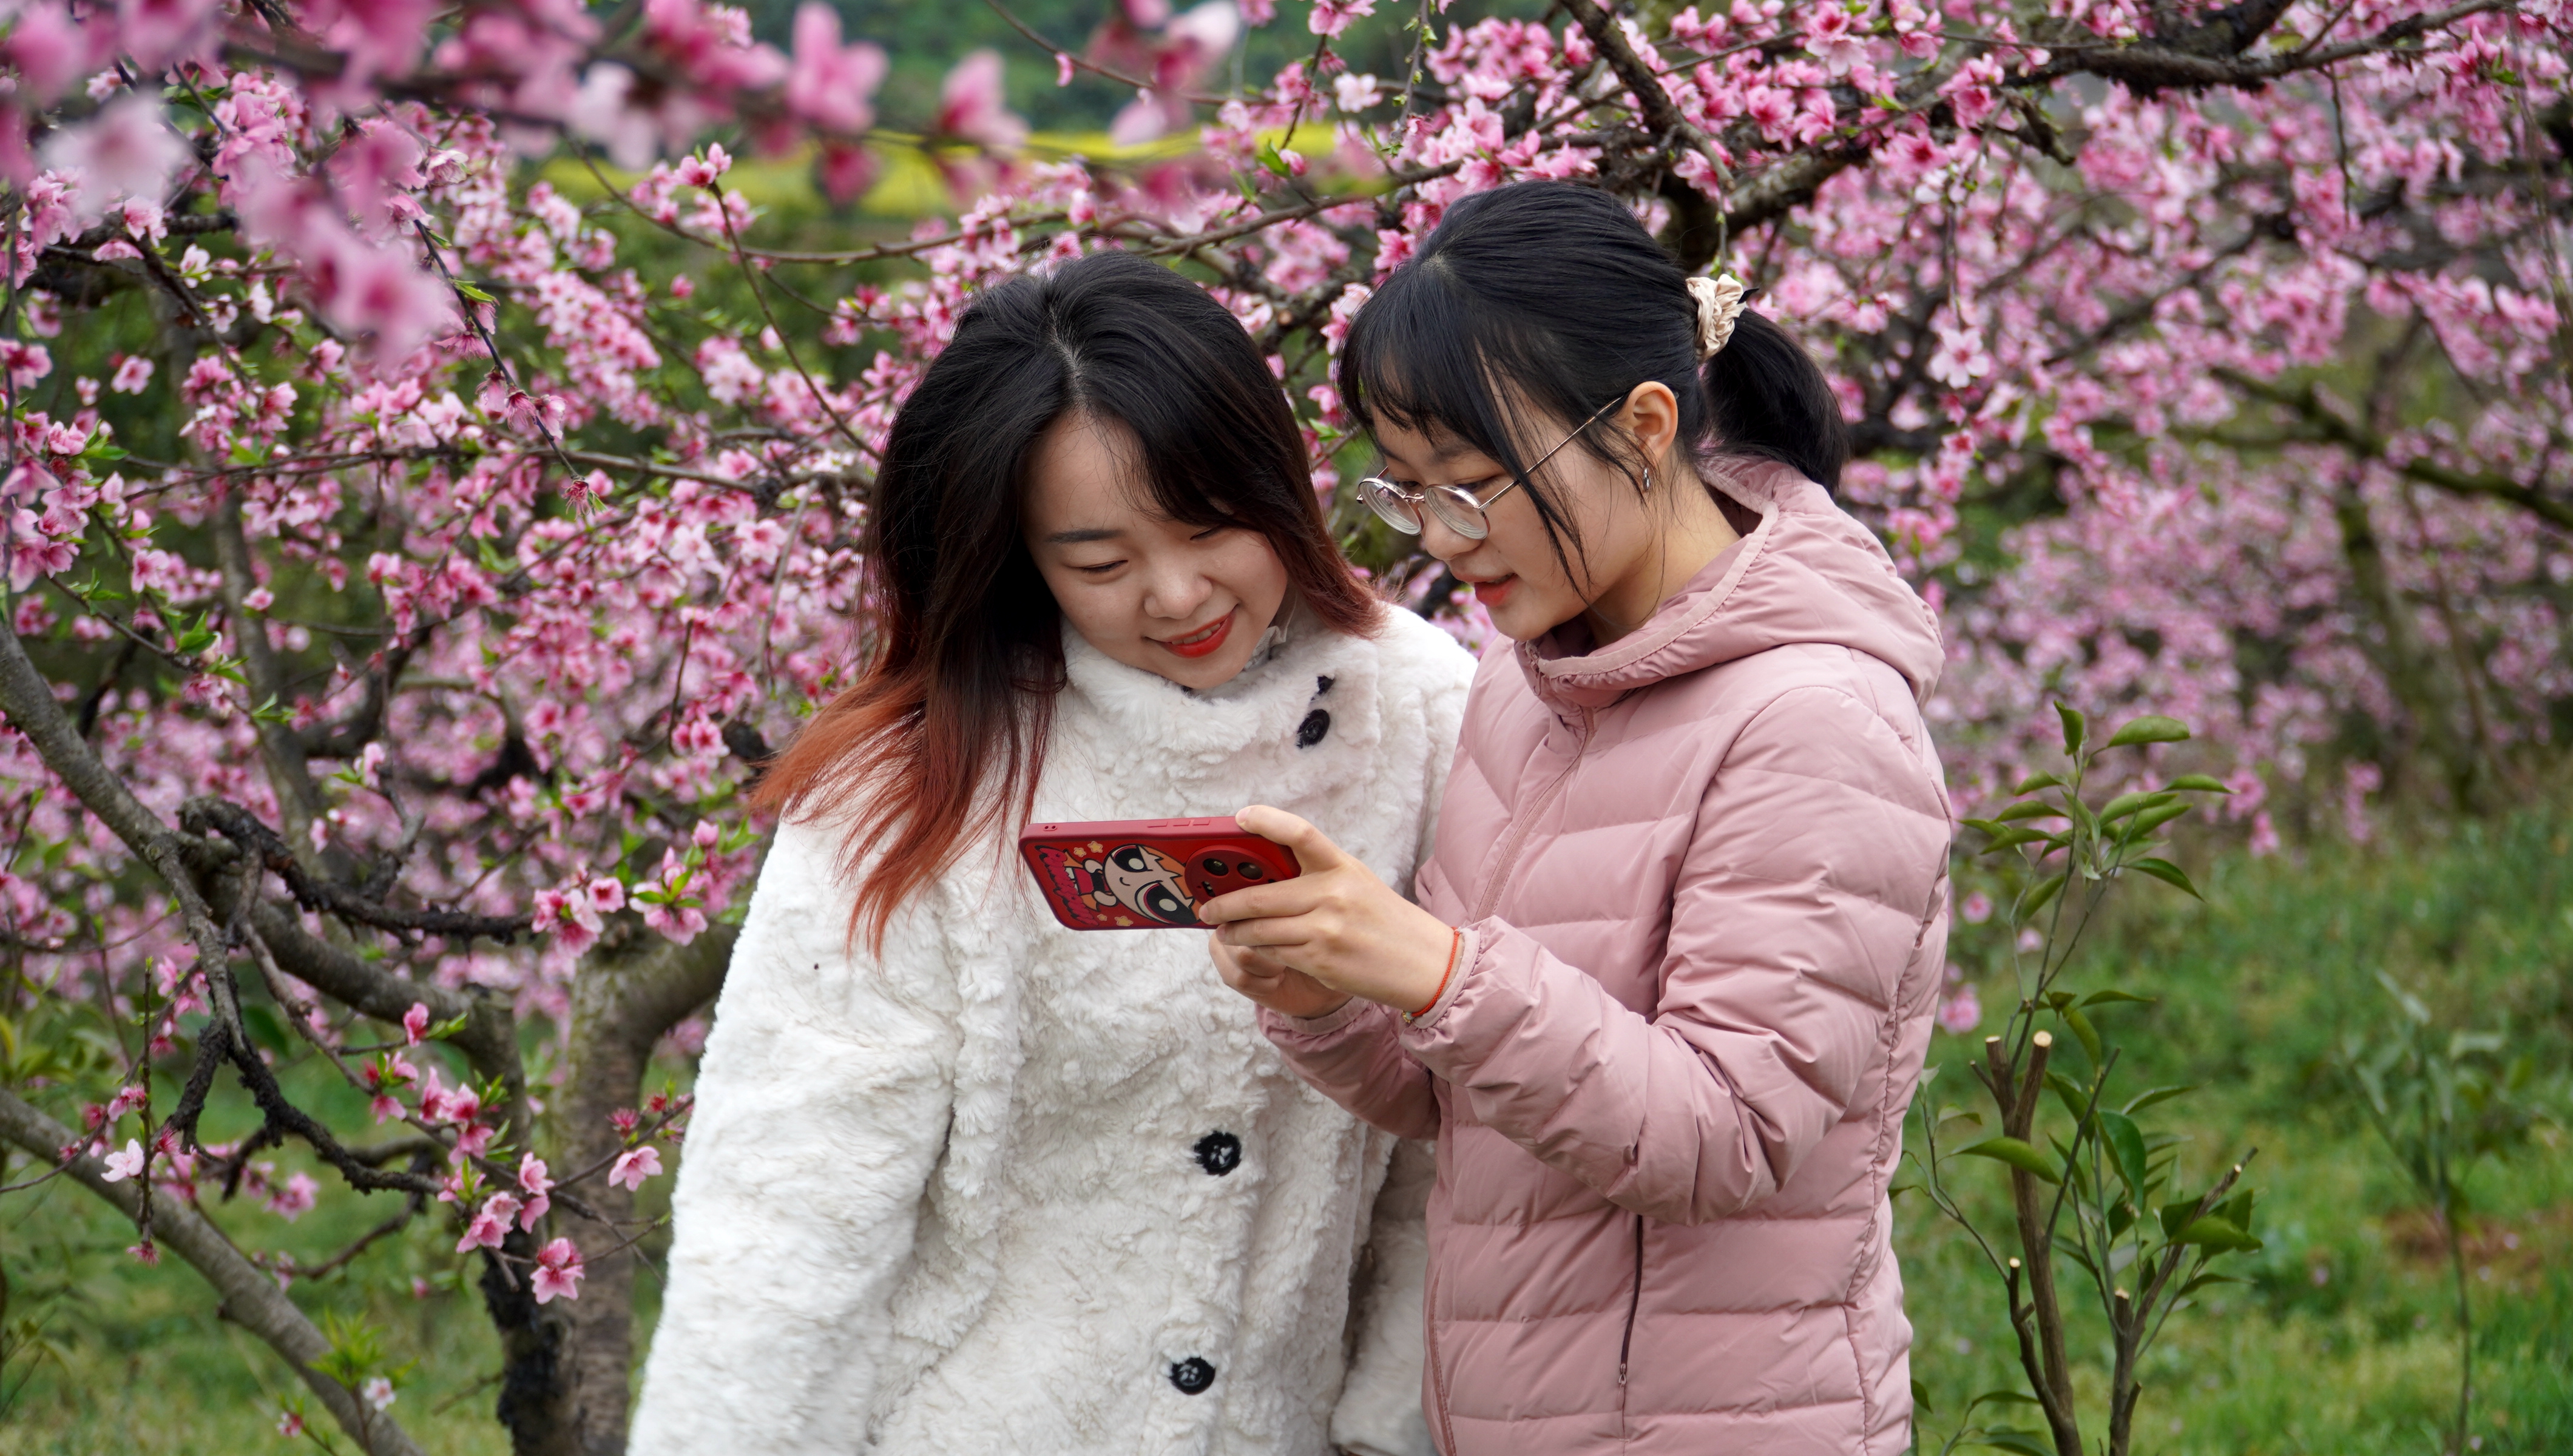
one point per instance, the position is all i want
(1173, 590)
(1440, 540)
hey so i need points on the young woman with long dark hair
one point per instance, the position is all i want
(962, 1180)
(1666, 992)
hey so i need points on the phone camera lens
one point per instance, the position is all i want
(1251, 870)
(1210, 865)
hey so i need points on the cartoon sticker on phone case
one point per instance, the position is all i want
(1126, 886)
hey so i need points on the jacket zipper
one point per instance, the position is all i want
(1521, 825)
(1634, 1303)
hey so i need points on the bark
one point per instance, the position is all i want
(2401, 652)
(631, 989)
(251, 1298)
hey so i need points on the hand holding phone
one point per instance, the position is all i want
(1147, 874)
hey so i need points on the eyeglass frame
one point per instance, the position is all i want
(1372, 487)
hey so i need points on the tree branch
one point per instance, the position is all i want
(249, 1297)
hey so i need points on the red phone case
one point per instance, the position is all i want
(1147, 874)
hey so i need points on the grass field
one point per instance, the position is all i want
(2341, 1345)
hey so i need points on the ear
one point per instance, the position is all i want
(1652, 417)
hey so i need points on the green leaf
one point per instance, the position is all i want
(1921, 1397)
(2217, 1236)
(2126, 804)
(2012, 836)
(2121, 1216)
(2035, 782)
(2018, 1155)
(2030, 809)
(2076, 728)
(2127, 1144)
(2003, 1397)
(2153, 1096)
(2168, 874)
(2036, 895)
(2083, 1029)
(2103, 998)
(2193, 1285)
(2155, 816)
(2067, 1092)
(2151, 728)
(2019, 1443)
(2198, 783)
(471, 292)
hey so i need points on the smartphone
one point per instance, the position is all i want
(1147, 874)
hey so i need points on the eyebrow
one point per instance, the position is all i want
(1081, 536)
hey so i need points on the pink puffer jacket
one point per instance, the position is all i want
(1703, 877)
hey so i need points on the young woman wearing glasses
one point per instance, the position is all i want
(1667, 988)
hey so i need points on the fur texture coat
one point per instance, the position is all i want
(1012, 1188)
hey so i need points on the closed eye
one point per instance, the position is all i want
(1101, 569)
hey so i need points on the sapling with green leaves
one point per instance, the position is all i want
(2443, 1103)
(2096, 1198)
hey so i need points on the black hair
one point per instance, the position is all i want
(1546, 301)
(963, 642)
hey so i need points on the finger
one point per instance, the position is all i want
(1284, 898)
(1270, 934)
(1313, 849)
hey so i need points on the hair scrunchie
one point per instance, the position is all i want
(1719, 303)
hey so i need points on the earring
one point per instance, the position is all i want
(1649, 479)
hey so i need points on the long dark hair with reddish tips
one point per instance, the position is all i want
(945, 727)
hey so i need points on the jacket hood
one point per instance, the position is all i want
(1809, 574)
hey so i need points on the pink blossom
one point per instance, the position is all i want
(157, 32)
(125, 1164)
(132, 375)
(294, 1197)
(127, 149)
(971, 105)
(1977, 907)
(829, 84)
(49, 49)
(490, 1225)
(532, 1178)
(1330, 17)
(414, 1022)
(559, 1271)
(289, 1424)
(633, 1165)
(1961, 1012)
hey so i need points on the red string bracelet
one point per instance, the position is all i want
(1455, 943)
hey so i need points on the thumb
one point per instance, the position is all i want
(1313, 849)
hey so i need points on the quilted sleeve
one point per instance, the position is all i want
(823, 1102)
(1817, 858)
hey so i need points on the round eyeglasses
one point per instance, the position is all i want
(1455, 506)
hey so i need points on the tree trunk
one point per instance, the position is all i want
(2402, 654)
(631, 989)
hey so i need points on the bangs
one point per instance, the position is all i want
(1422, 357)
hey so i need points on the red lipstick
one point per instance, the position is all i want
(1203, 640)
(1493, 594)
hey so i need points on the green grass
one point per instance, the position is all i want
(2344, 1342)
(2340, 1345)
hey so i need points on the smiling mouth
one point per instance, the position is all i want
(1205, 639)
(1492, 593)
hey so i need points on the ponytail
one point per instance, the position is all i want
(1766, 398)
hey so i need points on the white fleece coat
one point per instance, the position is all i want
(1010, 1187)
